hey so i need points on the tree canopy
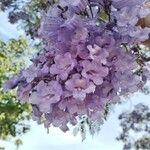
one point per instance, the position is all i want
(13, 115)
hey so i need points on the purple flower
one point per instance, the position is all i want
(125, 3)
(79, 86)
(98, 54)
(78, 5)
(125, 62)
(23, 93)
(11, 83)
(63, 65)
(126, 16)
(94, 51)
(85, 65)
(46, 94)
(30, 73)
(36, 113)
(94, 71)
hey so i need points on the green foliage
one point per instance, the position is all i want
(12, 113)
(85, 126)
(27, 13)
(143, 143)
(34, 9)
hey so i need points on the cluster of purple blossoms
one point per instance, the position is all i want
(127, 13)
(84, 66)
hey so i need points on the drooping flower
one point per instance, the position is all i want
(45, 94)
(79, 86)
(63, 65)
(94, 71)
(88, 62)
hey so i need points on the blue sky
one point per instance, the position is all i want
(38, 139)
(8, 30)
